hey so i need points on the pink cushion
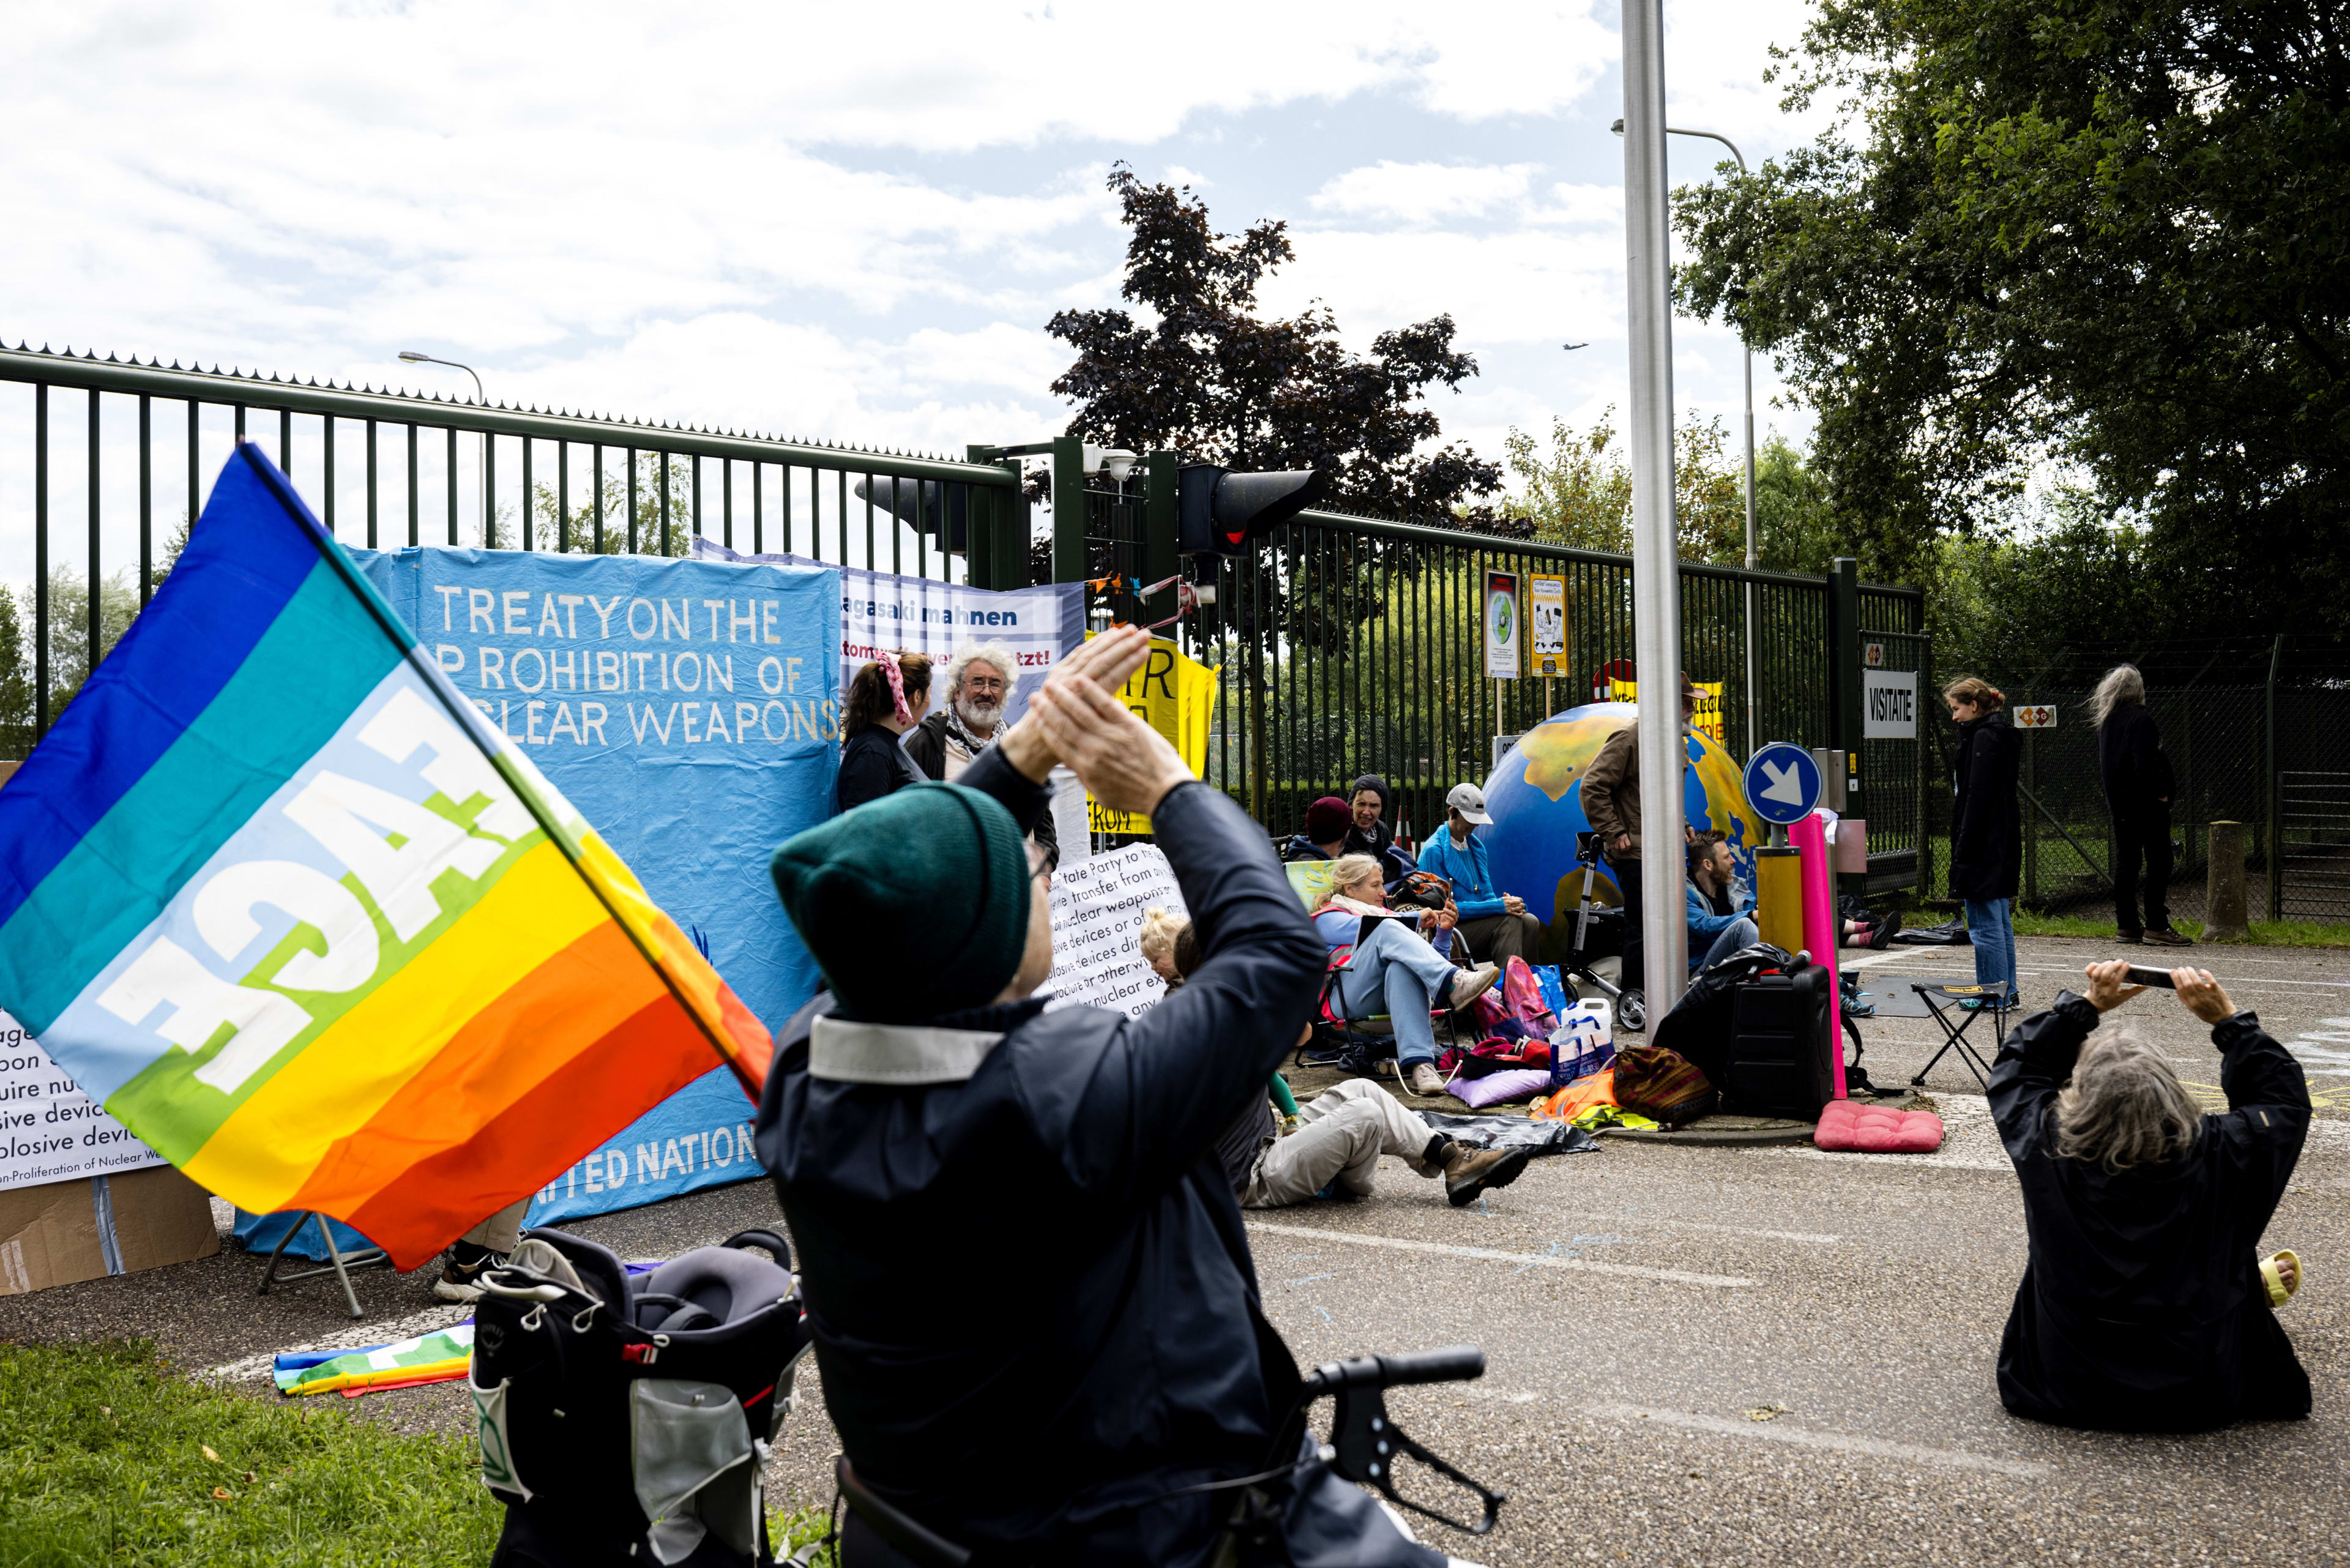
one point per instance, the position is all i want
(1877, 1129)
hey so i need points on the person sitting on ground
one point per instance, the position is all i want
(1393, 970)
(1337, 1145)
(929, 1127)
(1368, 832)
(886, 699)
(978, 688)
(1325, 839)
(2144, 1305)
(1494, 925)
(1715, 931)
(1157, 940)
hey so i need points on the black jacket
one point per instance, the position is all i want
(926, 744)
(1380, 845)
(1986, 826)
(2141, 1307)
(872, 764)
(2131, 762)
(1029, 1289)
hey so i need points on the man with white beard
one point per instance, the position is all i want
(978, 686)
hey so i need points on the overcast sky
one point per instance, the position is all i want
(841, 222)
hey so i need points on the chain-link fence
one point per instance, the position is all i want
(2257, 731)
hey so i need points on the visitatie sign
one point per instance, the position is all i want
(1889, 704)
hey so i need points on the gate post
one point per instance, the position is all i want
(1068, 509)
(1843, 655)
(1159, 560)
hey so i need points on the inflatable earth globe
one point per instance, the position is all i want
(1536, 797)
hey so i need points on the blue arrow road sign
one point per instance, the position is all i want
(1783, 783)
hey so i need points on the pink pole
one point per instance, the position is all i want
(1820, 927)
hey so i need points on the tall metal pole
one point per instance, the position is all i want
(1656, 567)
(1754, 722)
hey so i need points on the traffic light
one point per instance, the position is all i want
(926, 505)
(1223, 513)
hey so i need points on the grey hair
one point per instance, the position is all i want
(1006, 662)
(2125, 1106)
(2121, 684)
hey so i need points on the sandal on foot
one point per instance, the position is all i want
(2272, 1277)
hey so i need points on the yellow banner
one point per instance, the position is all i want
(1176, 696)
(1707, 721)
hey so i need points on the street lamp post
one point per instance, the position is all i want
(489, 528)
(1753, 736)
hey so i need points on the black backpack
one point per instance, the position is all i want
(624, 1420)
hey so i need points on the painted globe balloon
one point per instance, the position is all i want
(1536, 797)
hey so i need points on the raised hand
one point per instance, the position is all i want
(2202, 995)
(1122, 762)
(2108, 986)
(1110, 661)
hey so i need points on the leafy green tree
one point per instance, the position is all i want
(1580, 494)
(2113, 235)
(16, 683)
(69, 666)
(613, 505)
(1202, 372)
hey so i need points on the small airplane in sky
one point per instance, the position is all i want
(1571, 347)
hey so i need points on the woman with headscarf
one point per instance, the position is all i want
(886, 699)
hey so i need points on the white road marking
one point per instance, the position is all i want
(429, 1321)
(1636, 1218)
(1528, 1260)
(1807, 1437)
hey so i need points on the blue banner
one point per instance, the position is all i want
(691, 711)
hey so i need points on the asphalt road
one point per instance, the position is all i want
(1649, 1304)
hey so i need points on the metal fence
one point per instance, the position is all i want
(101, 502)
(1350, 644)
(2257, 731)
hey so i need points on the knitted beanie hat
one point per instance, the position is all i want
(934, 859)
(1327, 819)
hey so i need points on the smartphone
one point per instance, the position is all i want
(2141, 975)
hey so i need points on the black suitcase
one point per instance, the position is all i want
(1781, 1045)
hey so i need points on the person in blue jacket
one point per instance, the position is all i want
(1495, 926)
(1026, 1280)
(1716, 929)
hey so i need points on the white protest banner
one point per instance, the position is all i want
(49, 1130)
(886, 611)
(1097, 910)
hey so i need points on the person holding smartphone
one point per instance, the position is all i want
(2145, 1305)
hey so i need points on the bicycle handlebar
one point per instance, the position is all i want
(1454, 1364)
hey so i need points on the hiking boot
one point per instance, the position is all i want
(1882, 936)
(1471, 984)
(2129, 939)
(1632, 1012)
(2166, 938)
(1470, 1173)
(461, 1280)
(1425, 1079)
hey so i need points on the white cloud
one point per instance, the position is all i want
(1422, 193)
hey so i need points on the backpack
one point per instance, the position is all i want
(1662, 1084)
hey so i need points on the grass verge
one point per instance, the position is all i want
(107, 1456)
(2266, 933)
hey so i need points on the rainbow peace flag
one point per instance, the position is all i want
(274, 895)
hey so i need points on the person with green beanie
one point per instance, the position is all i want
(1026, 1280)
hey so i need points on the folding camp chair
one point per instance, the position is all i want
(1943, 1000)
(339, 1264)
(1328, 1011)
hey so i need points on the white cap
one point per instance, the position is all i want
(1470, 802)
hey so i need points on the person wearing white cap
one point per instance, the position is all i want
(1494, 925)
